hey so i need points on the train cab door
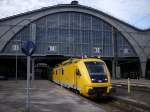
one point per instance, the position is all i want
(77, 77)
(59, 75)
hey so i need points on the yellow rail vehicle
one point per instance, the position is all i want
(90, 76)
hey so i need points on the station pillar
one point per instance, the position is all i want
(113, 68)
(143, 67)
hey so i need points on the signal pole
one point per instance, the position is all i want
(28, 49)
(28, 84)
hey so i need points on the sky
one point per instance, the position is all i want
(134, 12)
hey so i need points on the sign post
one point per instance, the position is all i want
(28, 49)
(28, 84)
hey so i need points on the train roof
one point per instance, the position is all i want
(75, 60)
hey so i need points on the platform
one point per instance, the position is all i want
(45, 97)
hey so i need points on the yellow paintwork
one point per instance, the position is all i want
(65, 75)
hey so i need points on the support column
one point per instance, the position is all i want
(115, 54)
(33, 70)
(113, 69)
(143, 67)
(118, 75)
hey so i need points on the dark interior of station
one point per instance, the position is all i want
(130, 68)
(8, 68)
(43, 67)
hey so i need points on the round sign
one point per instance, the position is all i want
(28, 48)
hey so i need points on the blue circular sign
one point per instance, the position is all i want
(28, 48)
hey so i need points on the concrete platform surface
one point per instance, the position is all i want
(45, 97)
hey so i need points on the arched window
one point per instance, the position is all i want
(73, 34)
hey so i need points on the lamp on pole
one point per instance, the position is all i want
(16, 49)
(16, 66)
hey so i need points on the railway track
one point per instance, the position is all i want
(115, 104)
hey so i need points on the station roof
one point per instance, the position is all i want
(72, 5)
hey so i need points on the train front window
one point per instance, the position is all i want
(96, 68)
(96, 71)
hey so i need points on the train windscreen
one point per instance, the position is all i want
(96, 71)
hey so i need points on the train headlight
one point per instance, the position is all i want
(93, 79)
(105, 79)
